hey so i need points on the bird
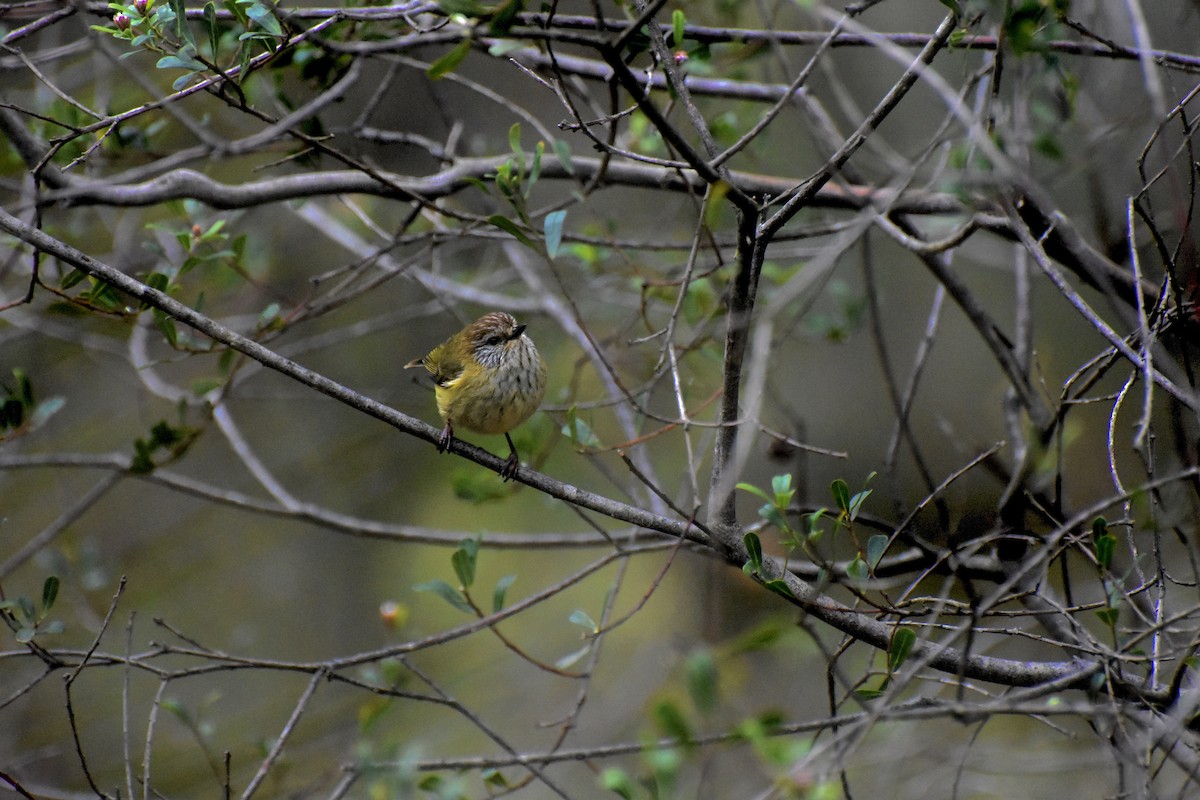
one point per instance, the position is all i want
(488, 378)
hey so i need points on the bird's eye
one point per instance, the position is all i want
(493, 340)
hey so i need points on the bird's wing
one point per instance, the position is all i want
(445, 368)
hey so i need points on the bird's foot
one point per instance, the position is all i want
(443, 442)
(512, 465)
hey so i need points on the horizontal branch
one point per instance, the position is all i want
(183, 184)
(325, 518)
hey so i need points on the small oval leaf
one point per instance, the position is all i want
(448, 62)
(900, 647)
(49, 593)
(841, 495)
(446, 592)
(582, 619)
(553, 227)
(876, 547)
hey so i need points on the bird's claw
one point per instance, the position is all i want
(512, 465)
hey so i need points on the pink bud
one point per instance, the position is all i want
(681, 57)
(122, 21)
(141, 5)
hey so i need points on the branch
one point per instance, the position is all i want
(189, 184)
(268, 358)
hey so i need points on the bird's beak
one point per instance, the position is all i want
(517, 331)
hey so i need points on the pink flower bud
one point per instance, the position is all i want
(122, 21)
(681, 57)
(141, 5)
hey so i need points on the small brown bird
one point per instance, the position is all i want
(488, 378)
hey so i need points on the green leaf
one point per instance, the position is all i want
(876, 547)
(754, 550)
(900, 647)
(812, 522)
(766, 635)
(872, 694)
(571, 659)
(554, 229)
(71, 278)
(371, 711)
(49, 593)
(163, 435)
(664, 764)
(579, 432)
(747, 487)
(535, 171)
(617, 780)
(235, 8)
(447, 593)
(12, 413)
(1099, 527)
(671, 721)
(142, 462)
(179, 11)
(265, 18)
(183, 59)
(857, 570)
(583, 619)
(781, 485)
(701, 673)
(210, 22)
(43, 411)
(773, 515)
(1109, 616)
(514, 144)
(678, 21)
(856, 502)
(159, 282)
(24, 387)
(447, 63)
(504, 47)
(505, 15)
(494, 777)
(1106, 545)
(463, 560)
(563, 151)
(500, 591)
(214, 231)
(166, 326)
(183, 80)
(780, 587)
(28, 612)
(841, 495)
(508, 226)
(477, 486)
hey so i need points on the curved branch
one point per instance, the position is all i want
(188, 184)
